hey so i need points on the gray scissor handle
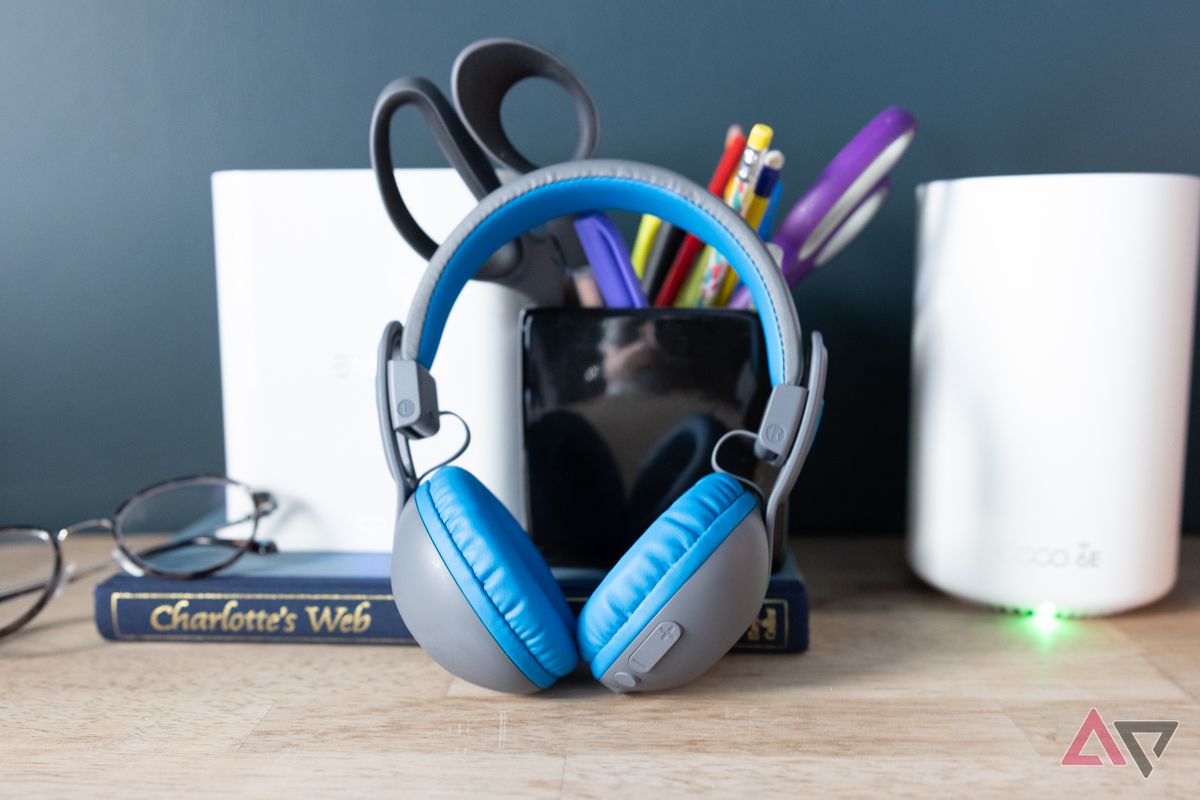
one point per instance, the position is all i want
(460, 150)
(487, 70)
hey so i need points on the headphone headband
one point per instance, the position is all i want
(405, 393)
(582, 186)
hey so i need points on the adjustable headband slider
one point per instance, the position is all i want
(780, 423)
(412, 396)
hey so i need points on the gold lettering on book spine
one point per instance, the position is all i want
(175, 618)
(765, 628)
(339, 619)
(180, 615)
(770, 631)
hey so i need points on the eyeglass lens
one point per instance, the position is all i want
(189, 526)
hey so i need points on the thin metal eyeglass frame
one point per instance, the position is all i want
(131, 560)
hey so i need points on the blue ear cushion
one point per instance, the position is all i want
(500, 573)
(658, 564)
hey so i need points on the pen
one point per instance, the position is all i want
(682, 264)
(764, 189)
(738, 196)
(668, 238)
(735, 139)
(644, 241)
(666, 244)
(768, 220)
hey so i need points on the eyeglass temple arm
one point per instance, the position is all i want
(264, 504)
(21, 591)
(68, 575)
(264, 547)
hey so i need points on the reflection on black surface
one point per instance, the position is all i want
(622, 409)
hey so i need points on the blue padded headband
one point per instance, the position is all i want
(583, 186)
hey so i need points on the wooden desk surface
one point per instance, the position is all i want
(904, 692)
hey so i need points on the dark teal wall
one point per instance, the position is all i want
(113, 115)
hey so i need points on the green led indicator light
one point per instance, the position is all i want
(1045, 617)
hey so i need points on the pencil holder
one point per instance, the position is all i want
(622, 409)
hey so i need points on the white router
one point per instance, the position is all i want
(1052, 345)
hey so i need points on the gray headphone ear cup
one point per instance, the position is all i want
(438, 615)
(703, 619)
(682, 595)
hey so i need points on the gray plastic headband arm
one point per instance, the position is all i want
(395, 442)
(810, 419)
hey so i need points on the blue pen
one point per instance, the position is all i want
(768, 220)
(608, 255)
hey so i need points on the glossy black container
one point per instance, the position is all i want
(622, 408)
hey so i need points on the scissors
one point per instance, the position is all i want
(842, 201)
(471, 136)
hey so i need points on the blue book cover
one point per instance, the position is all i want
(347, 597)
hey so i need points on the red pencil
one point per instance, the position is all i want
(681, 267)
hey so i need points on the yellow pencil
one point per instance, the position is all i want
(738, 196)
(772, 166)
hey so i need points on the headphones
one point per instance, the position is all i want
(468, 581)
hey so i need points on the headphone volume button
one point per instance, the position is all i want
(664, 636)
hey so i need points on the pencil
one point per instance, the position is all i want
(682, 264)
(764, 190)
(738, 196)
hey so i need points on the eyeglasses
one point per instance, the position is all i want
(178, 529)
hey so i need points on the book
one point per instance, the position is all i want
(347, 598)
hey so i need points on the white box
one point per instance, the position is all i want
(309, 270)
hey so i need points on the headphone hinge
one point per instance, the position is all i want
(780, 423)
(412, 395)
